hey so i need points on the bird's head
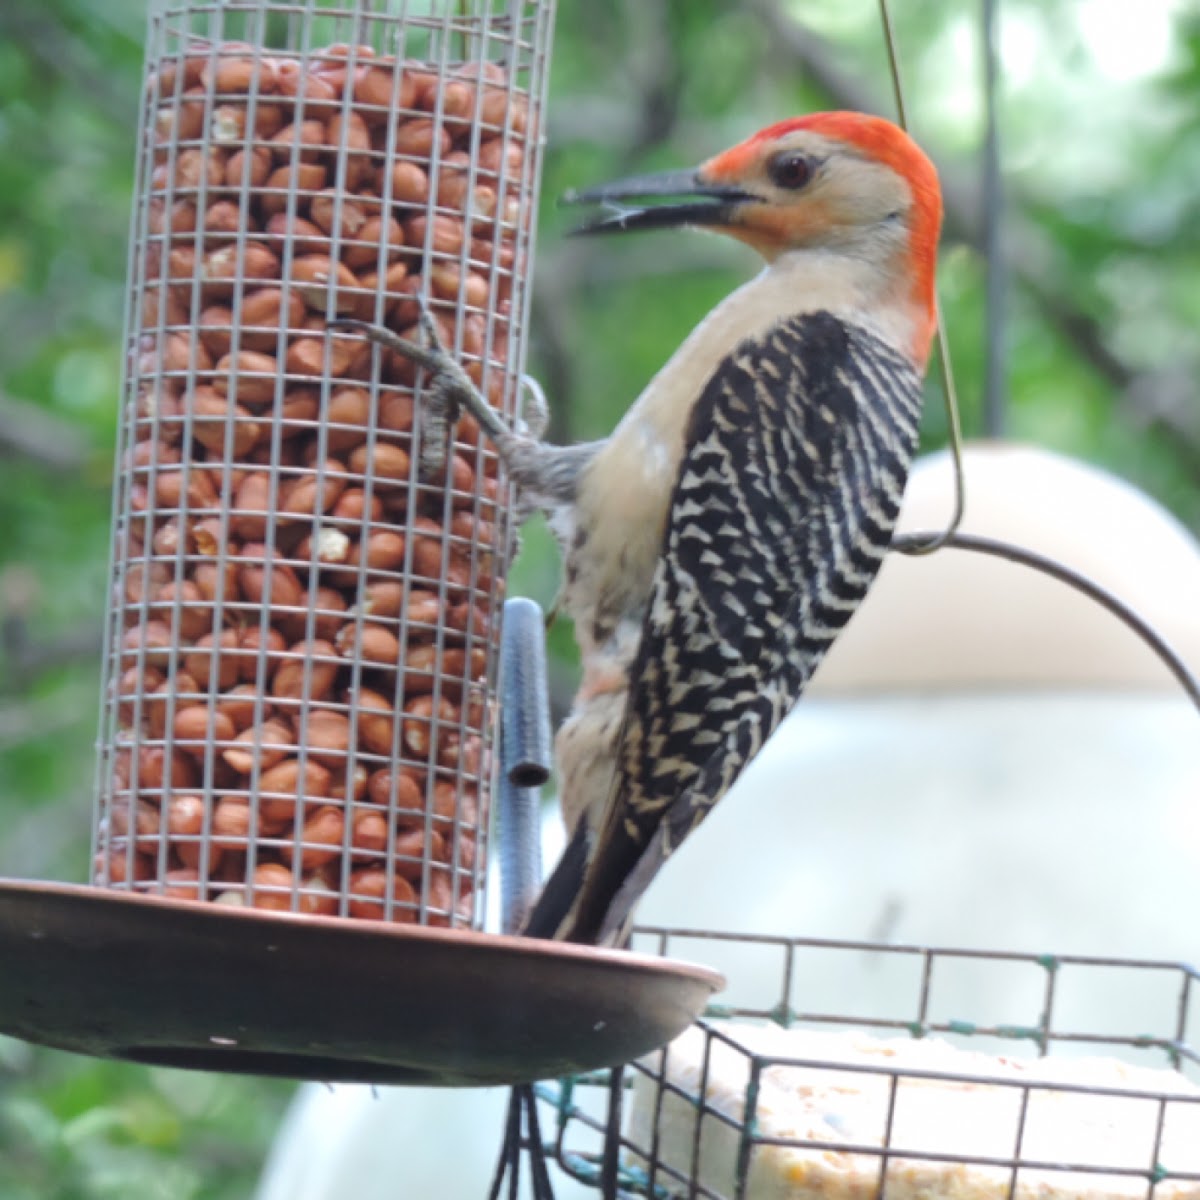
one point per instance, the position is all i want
(843, 182)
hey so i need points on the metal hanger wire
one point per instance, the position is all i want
(945, 368)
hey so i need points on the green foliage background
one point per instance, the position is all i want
(1102, 174)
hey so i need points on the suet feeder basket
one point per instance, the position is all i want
(300, 724)
(913, 1089)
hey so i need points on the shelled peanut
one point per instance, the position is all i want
(307, 614)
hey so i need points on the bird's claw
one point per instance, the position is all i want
(535, 412)
(450, 388)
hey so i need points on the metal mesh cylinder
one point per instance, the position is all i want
(307, 578)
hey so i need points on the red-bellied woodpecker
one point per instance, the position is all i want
(720, 539)
(717, 542)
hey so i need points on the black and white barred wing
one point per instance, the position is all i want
(794, 466)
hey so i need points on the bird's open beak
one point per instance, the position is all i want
(686, 200)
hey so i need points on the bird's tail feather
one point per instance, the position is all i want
(561, 889)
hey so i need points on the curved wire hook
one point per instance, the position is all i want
(906, 543)
(934, 541)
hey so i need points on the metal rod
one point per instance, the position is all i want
(906, 543)
(526, 706)
(525, 758)
(995, 385)
(945, 367)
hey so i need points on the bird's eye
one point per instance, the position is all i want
(790, 171)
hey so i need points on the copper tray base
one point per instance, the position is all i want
(184, 984)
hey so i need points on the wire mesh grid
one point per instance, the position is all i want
(950, 1073)
(302, 637)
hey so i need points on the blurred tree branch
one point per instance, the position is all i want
(43, 35)
(655, 74)
(33, 433)
(25, 656)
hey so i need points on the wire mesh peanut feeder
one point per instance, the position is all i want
(299, 707)
(302, 643)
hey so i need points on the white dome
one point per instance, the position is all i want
(956, 619)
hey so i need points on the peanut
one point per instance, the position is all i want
(327, 735)
(413, 847)
(384, 551)
(369, 891)
(217, 586)
(195, 617)
(384, 90)
(311, 273)
(118, 867)
(224, 217)
(265, 745)
(410, 184)
(250, 376)
(159, 773)
(320, 838)
(228, 124)
(271, 888)
(197, 724)
(248, 516)
(264, 312)
(440, 235)
(320, 356)
(238, 704)
(421, 718)
(152, 640)
(252, 642)
(314, 93)
(183, 883)
(330, 610)
(217, 423)
(214, 661)
(384, 598)
(231, 823)
(375, 721)
(395, 790)
(281, 788)
(369, 643)
(352, 506)
(239, 74)
(337, 216)
(328, 546)
(307, 673)
(417, 137)
(317, 897)
(370, 833)
(276, 585)
(227, 265)
(304, 235)
(301, 408)
(314, 493)
(423, 664)
(302, 142)
(298, 178)
(374, 238)
(383, 461)
(248, 168)
(350, 406)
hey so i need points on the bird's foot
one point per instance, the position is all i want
(449, 392)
